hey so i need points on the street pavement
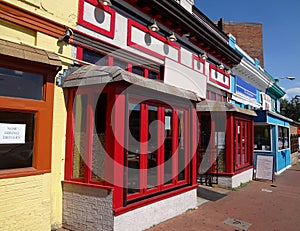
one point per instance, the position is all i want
(259, 206)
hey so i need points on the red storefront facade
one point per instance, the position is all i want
(132, 121)
(225, 149)
(130, 136)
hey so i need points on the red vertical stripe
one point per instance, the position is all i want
(69, 135)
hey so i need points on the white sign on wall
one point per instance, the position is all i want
(12, 133)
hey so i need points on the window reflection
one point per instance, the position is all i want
(168, 151)
(99, 138)
(262, 137)
(181, 145)
(21, 84)
(133, 151)
(152, 146)
(79, 153)
(16, 141)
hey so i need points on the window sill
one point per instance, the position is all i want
(21, 172)
(242, 169)
(88, 185)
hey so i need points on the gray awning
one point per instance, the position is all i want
(91, 75)
(209, 105)
(30, 53)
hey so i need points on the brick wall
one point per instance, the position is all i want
(25, 203)
(249, 37)
(87, 208)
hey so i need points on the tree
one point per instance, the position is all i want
(291, 109)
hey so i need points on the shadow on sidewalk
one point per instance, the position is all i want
(209, 194)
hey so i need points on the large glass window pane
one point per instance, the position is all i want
(138, 70)
(283, 137)
(219, 143)
(220, 150)
(181, 146)
(94, 57)
(168, 152)
(286, 137)
(243, 143)
(262, 137)
(213, 96)
(152, 75)
(99, 138)
(21, 84)
(152, 147)
(204, 149)
(16, 139)
(133, 150)
(79, 148)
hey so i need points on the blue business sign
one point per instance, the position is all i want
(245, 88)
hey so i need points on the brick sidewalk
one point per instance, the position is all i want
(260, 205)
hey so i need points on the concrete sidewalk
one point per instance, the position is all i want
(261, 205)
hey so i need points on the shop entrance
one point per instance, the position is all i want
(211, 148)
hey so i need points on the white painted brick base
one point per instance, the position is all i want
(147, 216)
(236, 180)
(90, 209)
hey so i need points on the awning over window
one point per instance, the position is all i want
(209, 106)
(91, 75)
(29, 53)
(269, 117)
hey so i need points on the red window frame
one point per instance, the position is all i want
(89, 92)
(110, 62)
(200, 60)
(122, 202)
(219, 97)
(109, 33)
(213, 79)
(242, 132)
(160, 152)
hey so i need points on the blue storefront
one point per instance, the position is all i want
(272, 138)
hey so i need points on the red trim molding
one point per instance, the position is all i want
(109, 33)
(132, 23)
(194, 57)
(212, 79)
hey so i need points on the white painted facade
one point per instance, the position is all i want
(236, 180)
(147, 216)
(153, 47)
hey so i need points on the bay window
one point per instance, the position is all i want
(88, 126)
(156, 155)
(156, 143)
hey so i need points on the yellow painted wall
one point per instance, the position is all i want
(17, 34)
(35, 202)
(64, 12)
(25, 203)
(58, 131)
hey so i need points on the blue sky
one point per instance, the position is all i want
(281, 33)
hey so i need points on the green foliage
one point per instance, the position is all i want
(291, 109)
(242, 185)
